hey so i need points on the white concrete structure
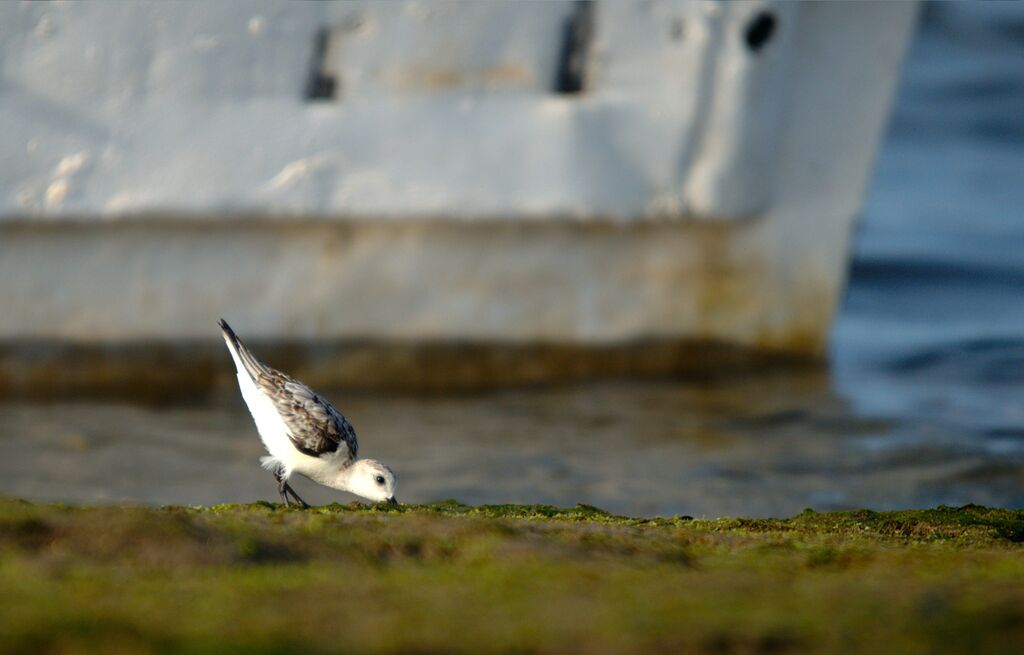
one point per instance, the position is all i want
(422, 171)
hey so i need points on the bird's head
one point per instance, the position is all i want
(371, 480)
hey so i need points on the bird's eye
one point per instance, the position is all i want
(380, 479)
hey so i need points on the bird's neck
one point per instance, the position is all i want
(338, 479)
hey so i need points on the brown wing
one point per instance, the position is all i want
(315, 427)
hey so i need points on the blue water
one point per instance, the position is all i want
(931, 335)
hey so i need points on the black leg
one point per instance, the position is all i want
(302, 503)
(282, 487)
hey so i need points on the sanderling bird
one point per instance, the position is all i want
(304, 433)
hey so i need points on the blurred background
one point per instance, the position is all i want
(661, 257)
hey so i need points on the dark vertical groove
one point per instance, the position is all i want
(572, 58)
(320, 85)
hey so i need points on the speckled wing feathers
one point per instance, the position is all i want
(315, 427)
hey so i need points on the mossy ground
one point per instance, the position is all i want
(514, 579)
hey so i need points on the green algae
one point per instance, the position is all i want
(448, 577)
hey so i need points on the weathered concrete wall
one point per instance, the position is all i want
(200, 108)
(409, 281)
(165, 164)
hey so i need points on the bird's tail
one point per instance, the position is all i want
(244, 360)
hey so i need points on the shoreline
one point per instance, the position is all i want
(448, 577)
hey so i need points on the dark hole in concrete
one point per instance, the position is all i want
(678, 29)
(320, 85)
(760, 30)
(572, 58)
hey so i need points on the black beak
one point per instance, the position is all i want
(392, 501)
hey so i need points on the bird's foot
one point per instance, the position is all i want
(285, 489)
(288, 490)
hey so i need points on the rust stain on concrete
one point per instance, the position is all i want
(160, 372)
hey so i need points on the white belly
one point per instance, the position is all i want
(274, 434)
(269, 424)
